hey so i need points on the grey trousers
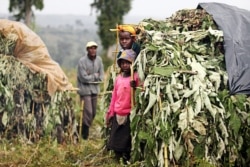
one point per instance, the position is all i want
(89, 109)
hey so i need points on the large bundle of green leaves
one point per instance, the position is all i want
(26, 109)
(185, 115)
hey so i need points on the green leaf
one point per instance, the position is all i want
(235, 123)
(152, 101)
(5, 119)
(164, 71)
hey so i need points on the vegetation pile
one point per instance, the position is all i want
(27, 110)
(185, 115)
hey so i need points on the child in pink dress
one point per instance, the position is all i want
(120, 107)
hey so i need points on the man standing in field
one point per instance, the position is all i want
(90, 73)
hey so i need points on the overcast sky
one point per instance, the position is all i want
(156, 9)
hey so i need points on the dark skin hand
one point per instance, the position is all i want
(126, 40)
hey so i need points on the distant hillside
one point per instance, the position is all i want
(66, 35)
(87, 21)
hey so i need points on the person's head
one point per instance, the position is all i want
(126, 59)
(91, 47)
(127, 36)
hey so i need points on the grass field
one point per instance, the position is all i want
(47, 153)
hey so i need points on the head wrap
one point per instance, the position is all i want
(126, 28)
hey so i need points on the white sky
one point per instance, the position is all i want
(156, 9)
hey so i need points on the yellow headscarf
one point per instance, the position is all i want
(127, 28)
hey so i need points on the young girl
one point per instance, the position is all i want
(120, 107)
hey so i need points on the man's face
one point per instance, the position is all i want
(92, 51)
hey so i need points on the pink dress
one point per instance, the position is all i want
(121, 96)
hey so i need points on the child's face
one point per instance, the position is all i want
(125, 66)
(126, 40)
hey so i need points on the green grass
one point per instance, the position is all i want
(91, 152)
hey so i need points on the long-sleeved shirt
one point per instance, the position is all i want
(121, 96)
(89, 73)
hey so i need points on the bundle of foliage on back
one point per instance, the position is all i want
(185, 116)
(26, 109)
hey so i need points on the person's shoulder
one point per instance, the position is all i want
(82, 60)
(83, 57)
